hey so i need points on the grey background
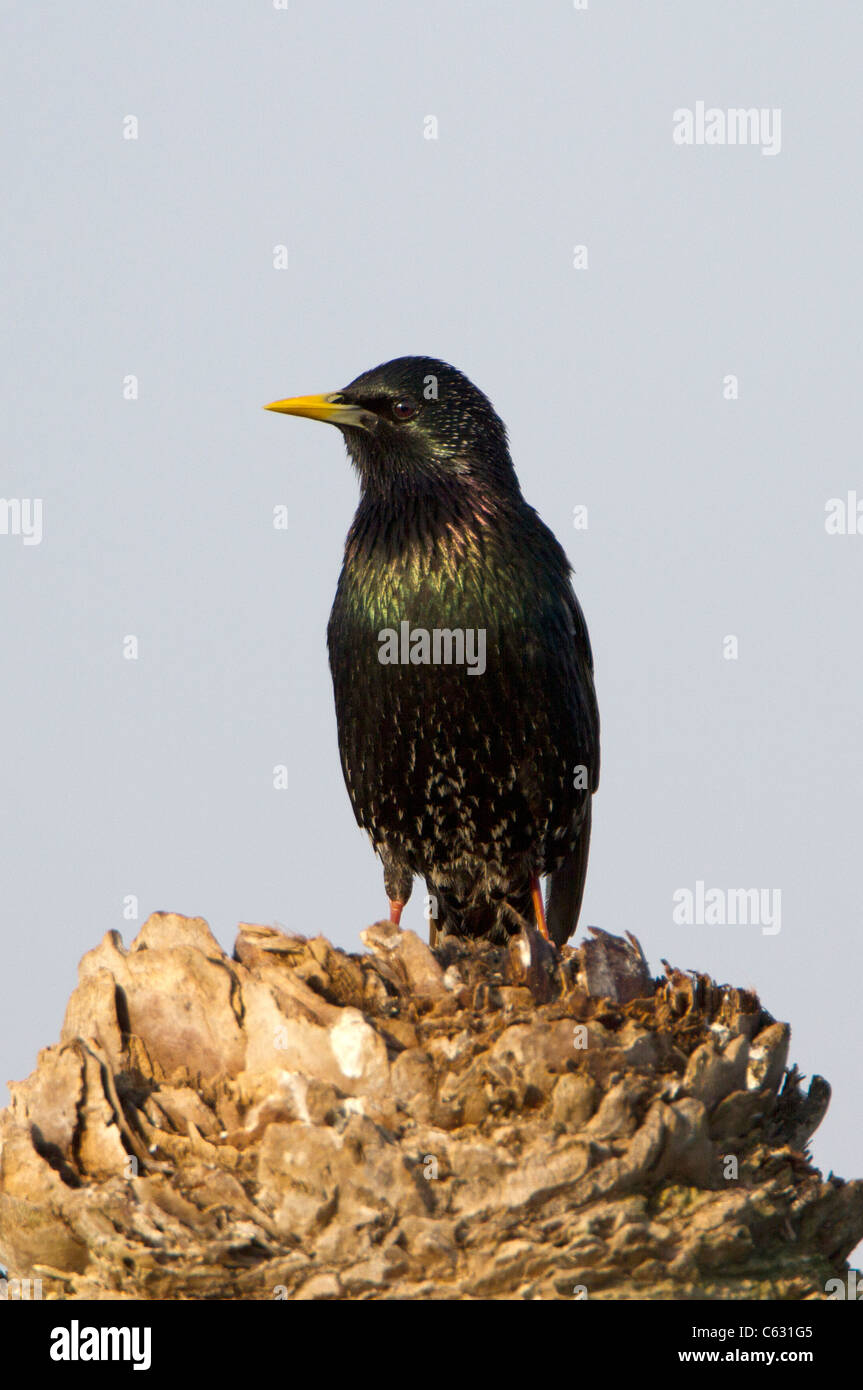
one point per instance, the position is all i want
(706, 517)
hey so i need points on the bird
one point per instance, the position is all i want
(463, 676)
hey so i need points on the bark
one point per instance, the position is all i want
(474, 1122)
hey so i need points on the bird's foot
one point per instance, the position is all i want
(396, 909)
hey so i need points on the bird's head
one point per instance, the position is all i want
(412, 420)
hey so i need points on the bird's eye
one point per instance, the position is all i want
(405, 409)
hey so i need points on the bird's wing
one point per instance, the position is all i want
(566, 884)
(566, 888)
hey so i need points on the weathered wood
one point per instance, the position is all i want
(473, 1122)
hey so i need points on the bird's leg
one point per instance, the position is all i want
(398, 881)
(538, 908)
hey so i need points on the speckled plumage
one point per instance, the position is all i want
(467, 780)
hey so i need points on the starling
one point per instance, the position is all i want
(462, 670)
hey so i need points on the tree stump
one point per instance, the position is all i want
(474, 1122)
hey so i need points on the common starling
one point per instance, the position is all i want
(463, 676)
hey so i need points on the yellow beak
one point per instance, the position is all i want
(329, 408)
